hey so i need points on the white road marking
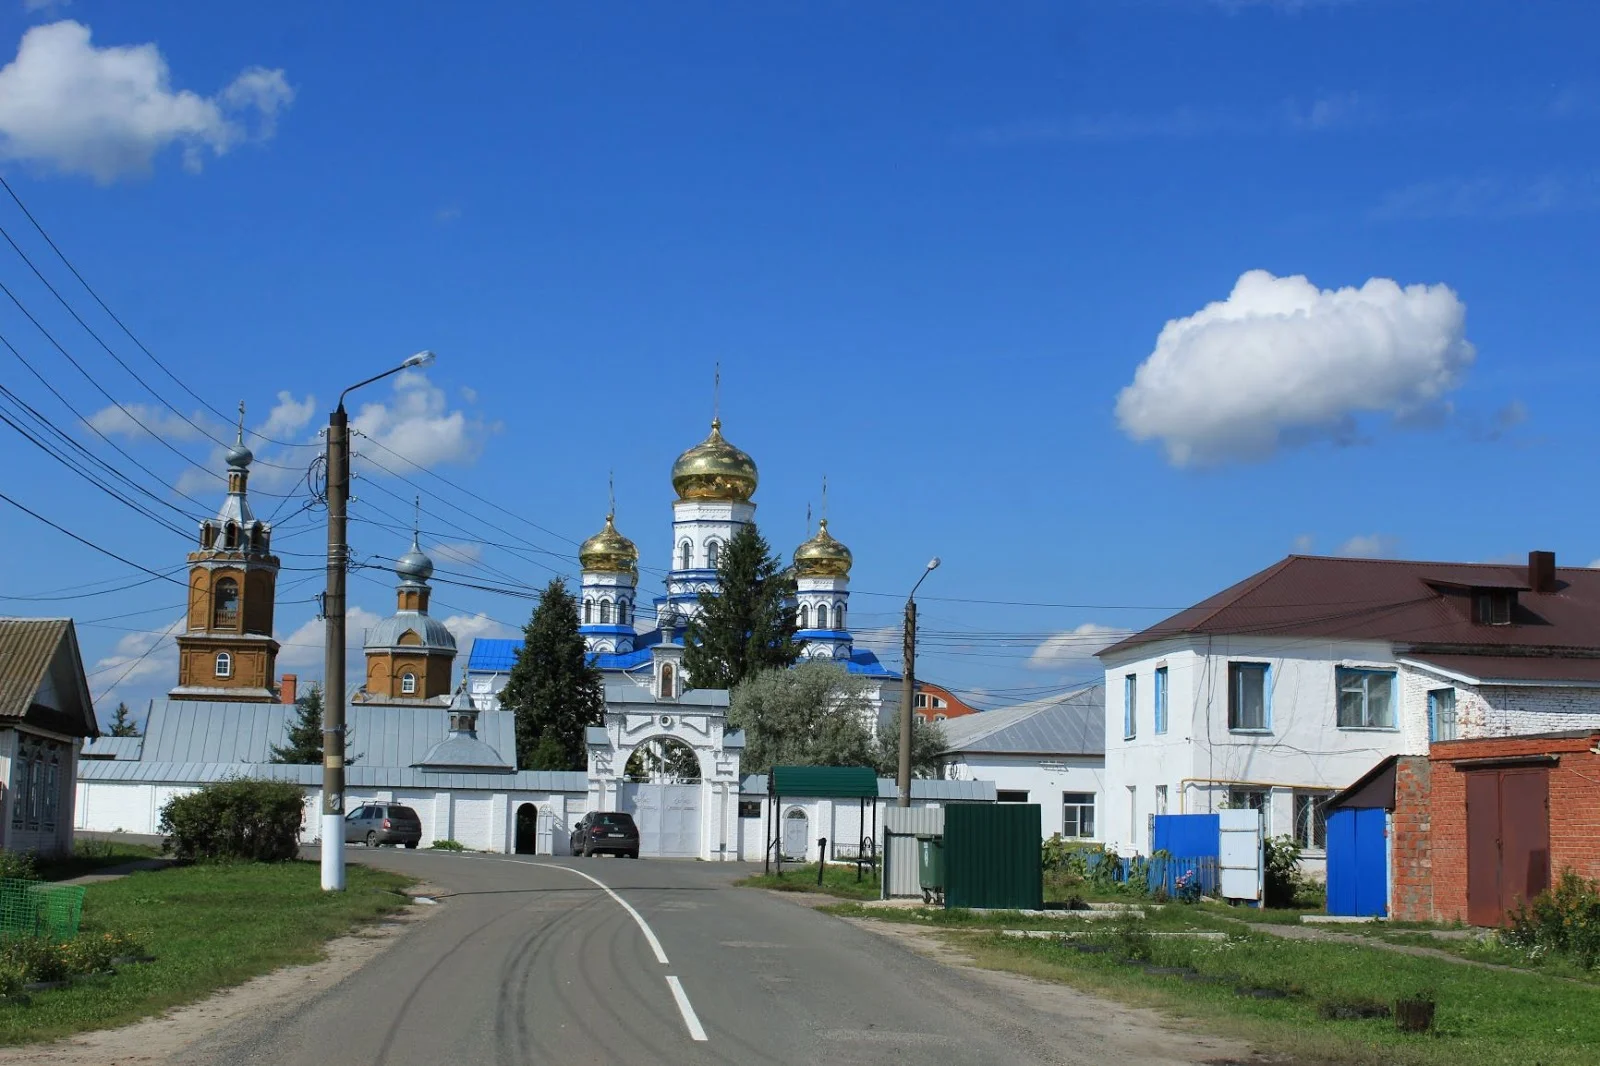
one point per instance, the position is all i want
(685, 1008)
(644, 927)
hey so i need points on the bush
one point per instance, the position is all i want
(1282, 862)
(241, 818)
(38, 958)
(448, 845)
(1563, 921)
(18, 866)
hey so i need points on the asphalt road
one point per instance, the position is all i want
(529, 962)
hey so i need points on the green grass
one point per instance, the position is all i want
(1484, 1016)
(210, 927)
(92, 856)
(836, 881)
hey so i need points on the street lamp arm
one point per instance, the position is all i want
(422, 358)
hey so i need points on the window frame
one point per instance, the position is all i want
(1341, 673)
(1236, 672)
(225, 607)
(1078, 804)
(222, 665)
(1130, 706)
(1162, 689)
(1434, 703)
(1009, 795)
(408, 684)
(1315, 803)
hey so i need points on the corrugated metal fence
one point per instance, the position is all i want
(901, 827)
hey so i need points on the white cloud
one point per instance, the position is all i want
(468, 628)
(288, 416)
(1369, 546)
(1304, 543)
(141, 656)
(1281, 362)
(467, 553)
(35, 6)
(125, 419)
(1492, 197)
(107, 112)
(302, 650)
(418, 424)
(1074, 647)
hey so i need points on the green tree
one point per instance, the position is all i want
(815, 714)
(927, 744)
(553, 690)
(122, 723)
(305, 733)
(747, 626)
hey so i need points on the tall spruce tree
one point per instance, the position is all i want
(305, 733)
(748, 625)
(122, 723)
(553, 691)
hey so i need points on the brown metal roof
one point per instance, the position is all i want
(1418, 604)
(27, 646)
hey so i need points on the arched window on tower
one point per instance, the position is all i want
(255, 538)
(408, 684)
(622, 612)
(838, 616)
(225, 604)
(713, 553)
(588, 611)
(804, 617)
(667, 691)
(685, 551)
(605, 612)
(230, 536)
(208, 535)
(822, 616)
(224, 664)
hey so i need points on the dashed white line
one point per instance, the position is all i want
(644, 926)
(685, 1008)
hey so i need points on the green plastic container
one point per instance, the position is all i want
(930, 867)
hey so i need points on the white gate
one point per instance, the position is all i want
(1240, 861)
(668, 817)
(546, 833)
(796, 834)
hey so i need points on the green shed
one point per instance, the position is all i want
(991, 856)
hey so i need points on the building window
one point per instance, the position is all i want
(588, 611)
(622, 612)
(1366, 698)
(1130, 706)
(919, 700)
(822, 616)
(838, 616)
(224, 664)
(938, 718)
(713, 553)
(1133, 817)
(1247, 696)
(1311, 819)
(605, 612)
(408, 684)
(230, 536)
(805, 617)
(1161, 699)
(1077, 815)
(1250, 799)
(685, 550)
(1161, 799)
(1492, 607)
(225, 604)
(1442, 714)
(1011, 795)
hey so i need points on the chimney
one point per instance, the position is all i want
(286, 688)
(1542, 571)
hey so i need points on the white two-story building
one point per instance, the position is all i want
(1290, 685)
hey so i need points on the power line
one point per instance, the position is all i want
(88, 543)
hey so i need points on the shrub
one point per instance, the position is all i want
(37, 958)
(11, 979)
(1563, 921)
(241, 818)
(1282, 862)
(448, 845)
(18, 866)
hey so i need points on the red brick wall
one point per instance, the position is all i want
(1430, 820)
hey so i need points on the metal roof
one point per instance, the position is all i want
(862, 661)
(27, 647)
(464, 754)
(433, 634)
(493, 654)
(195, 731)
(922, 788)
(1072, 723)
(621, 690)
(356, 777)
(1575, 671)
(828, 782)
(112, 748)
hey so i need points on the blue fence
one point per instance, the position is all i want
(1177, 875)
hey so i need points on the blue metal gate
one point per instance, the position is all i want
(1358, 861)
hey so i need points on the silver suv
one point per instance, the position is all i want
(376, 824)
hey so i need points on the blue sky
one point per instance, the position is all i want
(930, 245)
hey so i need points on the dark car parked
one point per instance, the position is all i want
(376, 824)
(602, 831)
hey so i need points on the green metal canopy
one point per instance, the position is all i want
(824, 782)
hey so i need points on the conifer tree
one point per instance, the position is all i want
(553, 690)
(305, 733)
(748, 625)
(122, 723)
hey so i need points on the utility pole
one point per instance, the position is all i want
(333, 633)
(908, 686)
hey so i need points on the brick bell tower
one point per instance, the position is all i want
(226, 652)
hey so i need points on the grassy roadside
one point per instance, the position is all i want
(1484, 1016)
(836, 881)
(92, 856)
(210, 927)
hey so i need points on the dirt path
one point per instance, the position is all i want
(157, 1039)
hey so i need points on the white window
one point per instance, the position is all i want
(713, 553)
(1247, 696)
(408, 683)
(1442, 714)
(1311, 819)
(1161, 799)
(685, 553)
(1130, 706)
(1077, 815)
(1133, 817)
(1161, 700)
(1366, 698)
(224, 664)
(822, 616)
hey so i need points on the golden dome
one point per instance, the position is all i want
(822, 556)
(609, 552)
(714, 470)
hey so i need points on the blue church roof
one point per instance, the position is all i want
(862, 661)
(492, 655)
(627, 660)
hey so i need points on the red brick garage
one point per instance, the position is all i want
(1485, 824)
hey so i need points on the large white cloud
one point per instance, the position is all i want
(417, 423)
(136, 660)
(107, 112)
(1281, 362)
(303, 648)
(135, 419)
(1369, 546)
(1074, 647)
(468, 627)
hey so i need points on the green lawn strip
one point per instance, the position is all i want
(1484, 1016)
(836, 881)
(210, 927)
(92, 857)
(1170, 918)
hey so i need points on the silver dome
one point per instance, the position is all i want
(435, 636)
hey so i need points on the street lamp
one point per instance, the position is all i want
(333, 636)
(908, 685)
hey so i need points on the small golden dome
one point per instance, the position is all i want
(822, 556)
(714, 470)
(609, 552)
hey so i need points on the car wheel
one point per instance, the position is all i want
(411, 846)
(588, 850)
(633, 854)
(372, 839)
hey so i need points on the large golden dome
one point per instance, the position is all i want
(714, 470)
(609, 552)
(822, 556)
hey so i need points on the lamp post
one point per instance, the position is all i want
(333, 636)
(908, 685)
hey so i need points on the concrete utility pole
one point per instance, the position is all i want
(908, 686)
(333, 634)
